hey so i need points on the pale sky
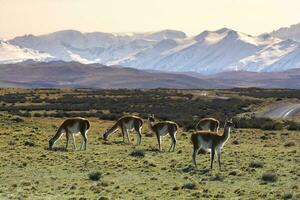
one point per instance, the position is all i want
(19, 17)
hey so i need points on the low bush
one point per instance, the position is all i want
(258, 123)
(29, 143)
(269, 176)
(255, 164)
(292, 126)
(137, 153)
(17, 119)
(190, 186)
(289, 144)
(287, 196)
(37, 115)
(95, 176)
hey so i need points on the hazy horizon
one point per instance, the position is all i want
(191, 16)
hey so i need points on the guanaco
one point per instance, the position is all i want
(71, 127)
(161, 129)
(210, 141)
(126, 124)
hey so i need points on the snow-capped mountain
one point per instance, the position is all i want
(280, 55)
(169, 50)
(292, 32)
(12, 54)
(217, 51)
(208, 52)
(106, 48)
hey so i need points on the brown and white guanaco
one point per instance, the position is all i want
(71, 127)
(126, 124)
(210, 141)
(161, 129)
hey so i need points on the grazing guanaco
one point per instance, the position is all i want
(126, 124)
(71, 127)
(210, 141)
(161, 129)
(208, 124)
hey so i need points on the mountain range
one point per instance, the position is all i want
(60, 74)
(13, 54)
(292, 32)
(207, 53)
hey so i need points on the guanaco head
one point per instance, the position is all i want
(105, 134)
(151, 117)
(229, 123)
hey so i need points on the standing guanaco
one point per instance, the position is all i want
(161, 129)
(126, 124)
(71, 127)
(210, 141)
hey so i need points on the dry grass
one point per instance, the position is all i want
(33, 172)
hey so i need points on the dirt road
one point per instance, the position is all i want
(281, 111)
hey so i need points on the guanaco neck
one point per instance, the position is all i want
(226, 133)
(150, 124)
(57, 134)
(112, 129)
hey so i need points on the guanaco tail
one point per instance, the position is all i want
(71, 127)
(210, 141)
(208, 124)
(161, 129)
(126, 124)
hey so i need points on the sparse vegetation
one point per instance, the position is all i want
(269, 176)
(31, 171)
(17, 119)
(287, 196)
(278, 94)
(289, 144)
(29, 143)
(184, 108)
(258, 123)
(255, 164)
(189, 186)
(95, 176)
(217, 177)
(137, 153)
(292, 126)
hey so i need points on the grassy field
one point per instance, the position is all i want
(256, 165)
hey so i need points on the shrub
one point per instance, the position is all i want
(292, 126)
(137, 153)
(236, 142)
(95, 176)
(272, 126)
(287, 196)
(217, 177)
(269, 176)
(233, 173)
(259, 123)
(190, 186)
(165, 104)
(103, 198)
(17, 119)
(28, 143)
(255, 164)
(289, 144)
(37, 114)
